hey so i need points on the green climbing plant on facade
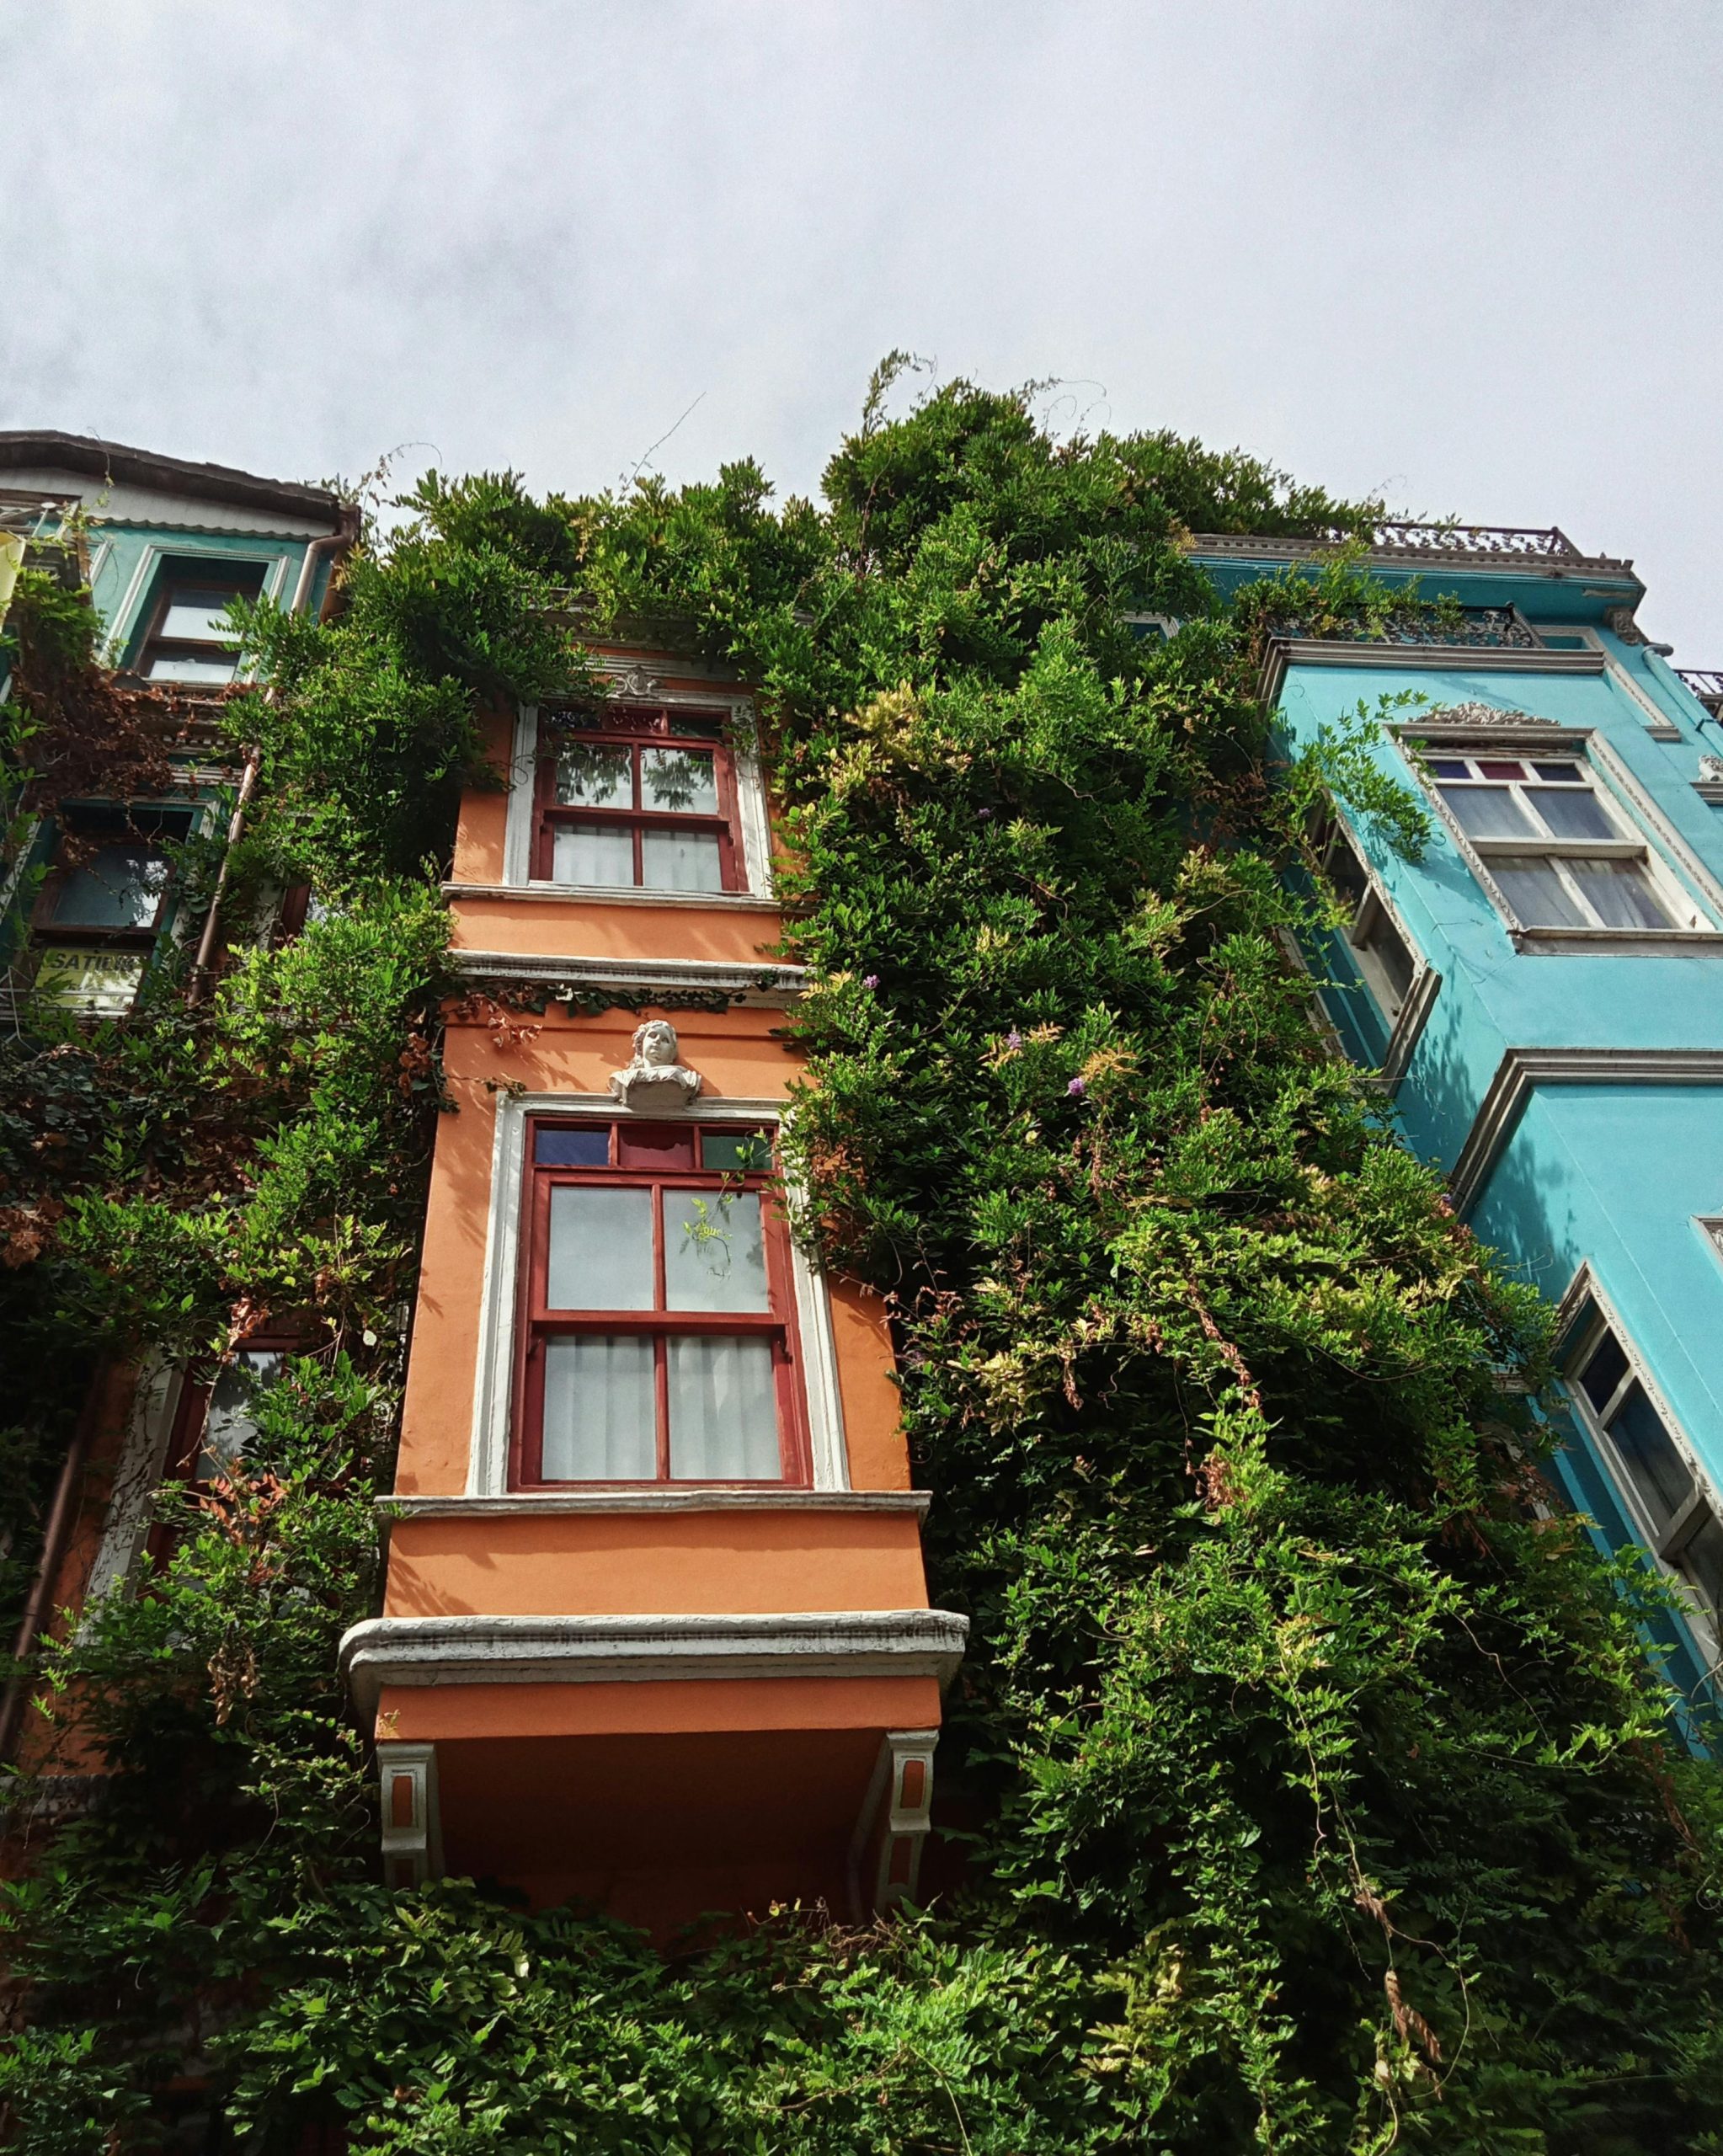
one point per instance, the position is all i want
(1316, 1794)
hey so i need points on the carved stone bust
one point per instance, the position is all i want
(655, 1080)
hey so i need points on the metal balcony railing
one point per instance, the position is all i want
(1706, 683)
(1426, 539)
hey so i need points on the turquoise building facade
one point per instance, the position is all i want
(1542, 991)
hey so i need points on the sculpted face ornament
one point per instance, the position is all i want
(655, 1080)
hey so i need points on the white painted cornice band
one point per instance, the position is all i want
(600, 894)
(553, 1503)
(427, 1650)
(1522, 1069)
(779, 983)
(1418, 658)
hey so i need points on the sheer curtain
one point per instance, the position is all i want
(723, 1411)
(599, 1420)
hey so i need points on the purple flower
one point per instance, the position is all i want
(1077, 1087)
(870, 980)
(1014, 1038)
(984, 813)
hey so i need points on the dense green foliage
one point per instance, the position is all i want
(1316, 1793)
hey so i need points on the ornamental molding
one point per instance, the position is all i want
(655, 1082)
(542, 1504)
(1285, 652)
(1522, 1070)
(780, 984)
(422, 1652)
(1472, 715)
(1709, 785)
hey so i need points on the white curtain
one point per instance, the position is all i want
(599, 1420)
(600, 1253)
(723, 1410)
(681, 861)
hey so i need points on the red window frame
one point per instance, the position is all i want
(191, 1417)
(637, 729)
(538, 1323)
(84, 831)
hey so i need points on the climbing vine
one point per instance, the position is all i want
(1316, 1793)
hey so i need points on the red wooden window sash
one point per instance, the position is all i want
(45, 928)
(540, 1323)
(549, 812)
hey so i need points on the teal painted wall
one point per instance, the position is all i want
(1609, 1175)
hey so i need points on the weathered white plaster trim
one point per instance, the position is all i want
(671, 1498)
(1414, 1016)
(750, 798)
(487, 1474)
(137, 1475)
(639, 1649)
(763, 984)
(613, 894)
(1522, 1069)
(1284, 651)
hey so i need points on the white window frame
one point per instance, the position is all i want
(755, 850)
(1406, 1015)
(1579, 1344)
(127, 614)
(1681, 880)
(494, 1391)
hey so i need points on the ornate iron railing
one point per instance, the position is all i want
(1499, 626)
(1421, 538)
(1707, 685)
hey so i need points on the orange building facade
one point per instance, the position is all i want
(656, 1631)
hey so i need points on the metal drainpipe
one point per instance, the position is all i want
(62, 1516)
(248, 784)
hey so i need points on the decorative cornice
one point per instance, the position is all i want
(764, 984)
(418, 1651)
(1486, 549)
(1522, 1069)
(595, 894)
(540, 1504)
(1416, 658)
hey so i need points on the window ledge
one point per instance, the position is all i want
(1629, 943)
(618, 894)
(530, 1504)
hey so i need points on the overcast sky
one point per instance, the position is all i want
(1470, 255)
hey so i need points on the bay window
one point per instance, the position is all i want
(1384, 957)
(1559, 850)
(657, 1340)
(637, 798)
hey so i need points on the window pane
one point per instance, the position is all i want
(681, 861)
(684, 781)
(600, 1253)
(723, 1410)
(1621, 892)
(1382, 940)
(574, 1149)
(189, 666)
(595, 774)
(736, 1152)
(1702, 1561)
(117, 887)
(655, 1146)
(1573, 812)
(1658, 1472)
(1502, 770)
(1538, 894)
(1449, 767)
(1605, 1370)
(600, 1417)
(1568, 772)
(1487, 812)
(593, 853)
(714, 1251)
(197, 616)
(100, 981)
(229, 1426)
